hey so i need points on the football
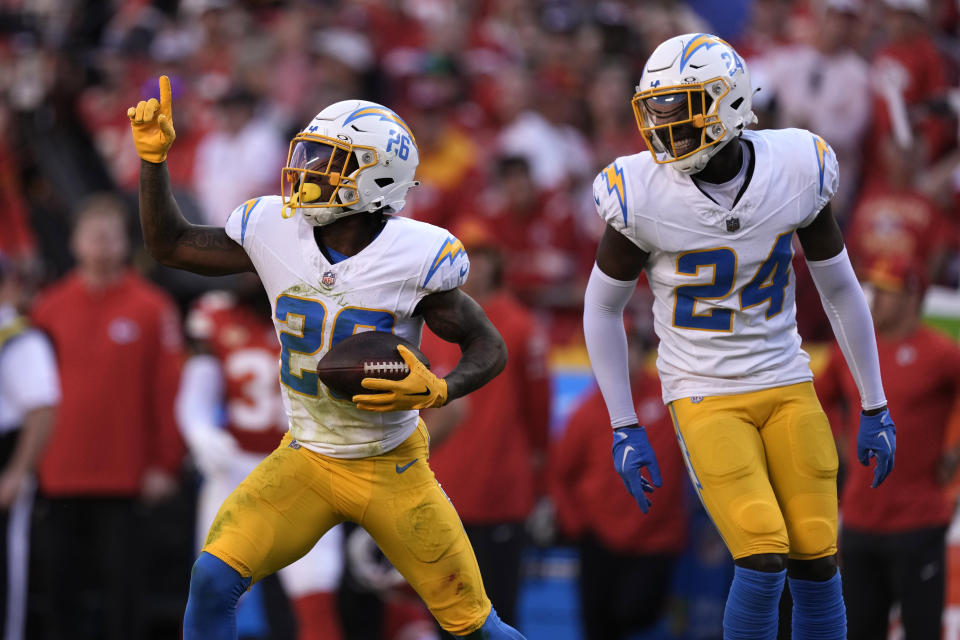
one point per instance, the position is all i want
(369, 354)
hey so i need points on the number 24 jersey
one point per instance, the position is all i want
(317, 303)
(723, 287)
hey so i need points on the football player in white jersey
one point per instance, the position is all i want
(710, 213)
(333, 261)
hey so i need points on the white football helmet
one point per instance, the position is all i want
(693, 98)
(353, 156)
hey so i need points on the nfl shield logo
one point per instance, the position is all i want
(328, 279)
(733, 224)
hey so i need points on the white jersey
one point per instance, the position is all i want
(316, 304)
(723, 288)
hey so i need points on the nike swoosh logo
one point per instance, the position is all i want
(623, 461)
(463, 271)
(406, 466)
(886, 438)
(425, 392)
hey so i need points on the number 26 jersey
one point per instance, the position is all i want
(317, 303)
(723, 286)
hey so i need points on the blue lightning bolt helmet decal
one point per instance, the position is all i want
(822, 149)
(701, 40)
(384, 114)
(613, 175)
(452, 249)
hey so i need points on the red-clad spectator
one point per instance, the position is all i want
(546, 262)
(232, 378)
(892, 537)
(490, 463)
(894, 219)
(909, 72)
(115, 443)
(626, 556)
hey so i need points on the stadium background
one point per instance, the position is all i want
(478, 81)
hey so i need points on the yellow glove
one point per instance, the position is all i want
(152, 124)
(421, 389)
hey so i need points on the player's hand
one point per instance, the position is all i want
(631, 454)
(421, 389)
(877, 438)
(152, 124)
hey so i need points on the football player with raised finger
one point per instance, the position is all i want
(334, 260)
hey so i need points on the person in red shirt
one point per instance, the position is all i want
(892, 537)
(545, 263)
(115, 443)
(230, 412)
(894, 219)
(910, 73)
(626, 557)
(489, 461)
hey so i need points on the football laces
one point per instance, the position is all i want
(386, 368)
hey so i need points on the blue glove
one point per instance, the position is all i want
(631, 453)
(877, 438)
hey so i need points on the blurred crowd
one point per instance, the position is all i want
(516, 105)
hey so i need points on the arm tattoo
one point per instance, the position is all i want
(456, 317)
(173, 241)
(206, 238)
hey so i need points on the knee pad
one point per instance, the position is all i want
(812, 530)
(728, 459)
(215, 582)
(757, 515)
(813, 448)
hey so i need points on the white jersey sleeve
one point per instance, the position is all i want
(243, 221)
(618, 200)
(447, 265)
(827, 179)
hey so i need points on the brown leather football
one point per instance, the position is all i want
(368, 354)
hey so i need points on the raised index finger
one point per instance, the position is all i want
(166, 98)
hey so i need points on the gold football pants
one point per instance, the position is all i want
(295, 495)
(765, 466)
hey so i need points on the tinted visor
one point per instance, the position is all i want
(669, 116)
(317, 156)
(666, 103)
